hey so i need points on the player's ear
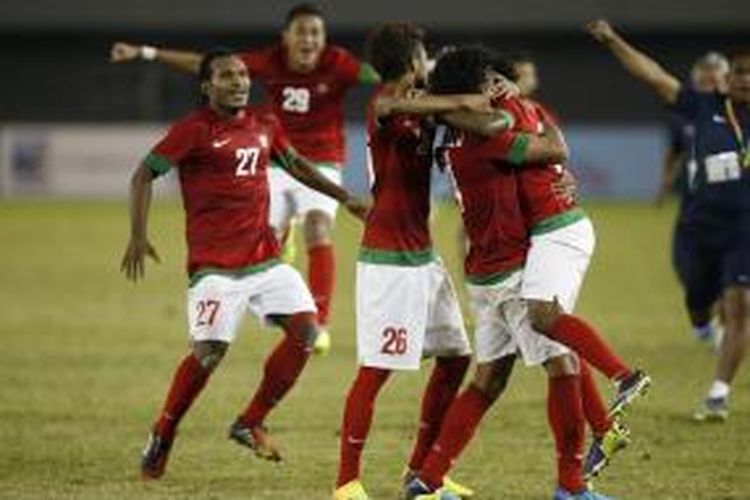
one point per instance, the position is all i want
(204, 88)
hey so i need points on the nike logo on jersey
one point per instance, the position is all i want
(719, 119)
(218, 144)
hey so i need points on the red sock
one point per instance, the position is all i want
(358, 412)
(440, 392)
(565, 414)
(282, 369)
(588, 344)
(321, 270)
(458, 428)
(187, 383)
(593, 405)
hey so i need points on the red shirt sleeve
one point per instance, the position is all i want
(172, 149)
(507, 146)
(258, 62)
(346, 66)
(280, 143)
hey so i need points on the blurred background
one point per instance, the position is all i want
(71, 124)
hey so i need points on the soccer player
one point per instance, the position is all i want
(221, 153)
(609, 434)
(709, 74)
(485, 173)
(715, 241)
(306, 80)
(406, 303)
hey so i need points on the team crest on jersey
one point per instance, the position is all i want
(322, 88)
(263, 139)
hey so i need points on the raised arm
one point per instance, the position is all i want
(484, 124)
(636, 62)
(428, 104)
(133, 262)
(307, 173)
(179, 59)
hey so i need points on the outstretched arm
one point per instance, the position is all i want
(427, 104)
(636, 62)
(179, 59)
(133, 262)
(484, 124)
(307, 173)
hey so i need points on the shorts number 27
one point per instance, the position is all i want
(394, 343)
(207, 310)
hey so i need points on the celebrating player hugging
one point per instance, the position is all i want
(246, 172)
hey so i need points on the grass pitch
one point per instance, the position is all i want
(87, 357)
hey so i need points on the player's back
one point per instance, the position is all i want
(400, 167)
(488, 195)
(539, 201)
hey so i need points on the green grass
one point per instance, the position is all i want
(86, 359)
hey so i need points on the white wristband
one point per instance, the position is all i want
(148, 53)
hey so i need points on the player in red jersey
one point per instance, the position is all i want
(306, 81)
(485, 171)
(610, 435)
(221, 153)
(406, 303)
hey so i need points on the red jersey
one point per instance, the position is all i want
(309, 105)
(397, 227)
(488, 195)
(222, 166)
(544, 210)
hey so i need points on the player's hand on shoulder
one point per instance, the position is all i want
(601, 30)
(504, 89)
(133, 262)
(122, 52)
(358, 207)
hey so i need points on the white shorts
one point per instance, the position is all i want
(217, 303)
(557, 263)
(405, 313)
(290, 198)
(503, 326)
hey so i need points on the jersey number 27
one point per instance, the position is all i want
(247, 161)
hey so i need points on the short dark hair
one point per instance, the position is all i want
(205, 71)
(464, 69)
(300, 10)
(391, 47)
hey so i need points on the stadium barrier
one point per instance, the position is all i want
(96, 160)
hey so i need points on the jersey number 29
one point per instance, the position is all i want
(247, 161)
(296, 99)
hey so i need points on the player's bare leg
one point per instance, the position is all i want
(548, 318)
(189, 379)
(280, 373)
(321, 270)
(736, 306)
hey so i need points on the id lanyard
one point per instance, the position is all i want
(738, 133)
